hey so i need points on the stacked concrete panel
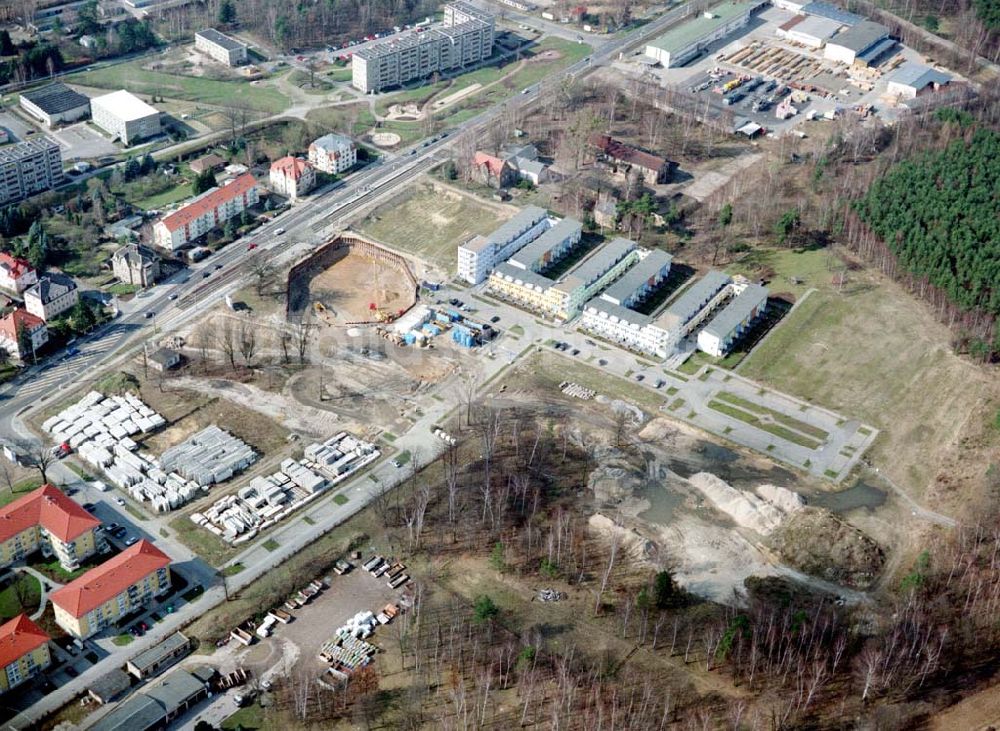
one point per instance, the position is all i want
(209, 457)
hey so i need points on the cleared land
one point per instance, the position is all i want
(874, 352)
(138, 80)
(429, 222)
(350, 286)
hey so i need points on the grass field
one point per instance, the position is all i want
(338, 119)
(209, 547)
(796, 424)
(753, 420)
(340, 74)
(138, 80)
(874, 352)
(794, 271)
(10, 604)
(166, 198)
(430, 223)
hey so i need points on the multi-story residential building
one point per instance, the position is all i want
(220, 47)
(16, 275)
(51, 295)
(55, 103)
(27, 168)
(125, 116)
(136, 265)
(118, 587)
(206, 212)
(292, 177)
(695, 305)
(548, 248)
(465, 37)
(24, 651)
(563, 299)
(35, 334)
(333, 154)
(479, 255)
(47, 520)
(736, 317)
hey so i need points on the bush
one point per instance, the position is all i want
(485, 609)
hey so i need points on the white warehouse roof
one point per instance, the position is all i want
(125, 105)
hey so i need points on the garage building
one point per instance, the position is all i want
(861, 44)
(55, 103)
(685, 42)
(125, 116)
(811, 31)
(913, 79)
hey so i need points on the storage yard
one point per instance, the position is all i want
(267, 500)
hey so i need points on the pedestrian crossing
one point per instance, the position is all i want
(52, 378)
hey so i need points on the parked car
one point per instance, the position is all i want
(172, 296)
(279, 231)
(120, 532)
(576, 351)
(148, 314)
(495, 319)
(119, 500)
(251, 247)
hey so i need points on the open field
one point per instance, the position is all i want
(430, 222)
(138, 80)
(873, 352)
(350, 119)
(171, 195)
(791, 271)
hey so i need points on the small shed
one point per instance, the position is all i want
(110, 687)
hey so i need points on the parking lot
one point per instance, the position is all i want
(81, 142)
(17, 129)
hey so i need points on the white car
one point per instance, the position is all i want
(120, 501)
(279, 231)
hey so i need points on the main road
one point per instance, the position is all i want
(189, 294)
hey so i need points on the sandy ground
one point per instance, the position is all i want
(350, 286)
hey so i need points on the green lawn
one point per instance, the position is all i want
(133, 77)
(340, 499)
(53, 569)
(207, 545)
(123, 639)
(792, 270)
(250, 718)
(233, 569)
(340, 74)
(775, 429)
(160, 200)
(337, 119)
(10, 604)
(403, 457)
(120, 288)
(20, 490)
(271, 545)
(430, 223)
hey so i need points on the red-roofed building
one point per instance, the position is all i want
(24, 651)
(36, 334)
(209, 210)
(16, 275)
(493, 171)
(116, 588)
(49, 521)
(653, 168)
(292, 177)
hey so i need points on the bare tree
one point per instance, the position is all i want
(248, 341)
(264, 275)
(302, 332)
(228, 342)
(615, 540)
(284, 342)
(40, 457)
(204, 339)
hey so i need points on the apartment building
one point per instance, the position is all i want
(695, 305)
(16, 275)
(292, 177)
(47, 520)
(35, 334)
(333, 154)
(548, 248)
(734, 319)
(27, 168)
(478, 256)
(121, 585)
(136, 265)
(465, 37)
(24, 652)
(51, 295)
(205, 212)
(220, 47)
(125, 116)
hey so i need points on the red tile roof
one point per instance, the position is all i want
(110, 579)
(16, 319)
(17, 267)
(625, 153)
(208, 202)
(494, 164)
(18, 637)
(788, 25)
(290, 167)
(50, 508)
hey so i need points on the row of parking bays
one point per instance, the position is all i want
(755, 92)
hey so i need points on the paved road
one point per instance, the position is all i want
(307, 224)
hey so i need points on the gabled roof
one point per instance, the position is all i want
(860, 37)
(494, 164)
(208, 201)
(14, 266)
(18, 637)
(48, 507)
(626, 153)
(918, 76)
(290, 167)
(14, 321)
(110, 579)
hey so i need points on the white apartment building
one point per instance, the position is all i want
(333, 154)
(125, 116)
(478, 256)
(27, 168)
(206, 212)
(220, 47)
(465, 37)
(16, 275)
(292, 177)
(51, 296)
(735, 318)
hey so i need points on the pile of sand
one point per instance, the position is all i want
(782, 498)
(762, 512)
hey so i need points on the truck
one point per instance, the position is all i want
(342, 567)
(398, 581)
(280, 615)
(242, 636)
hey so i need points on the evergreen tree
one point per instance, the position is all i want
(204, 181)
(227, 12)
(6, 44)
(148, 164)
